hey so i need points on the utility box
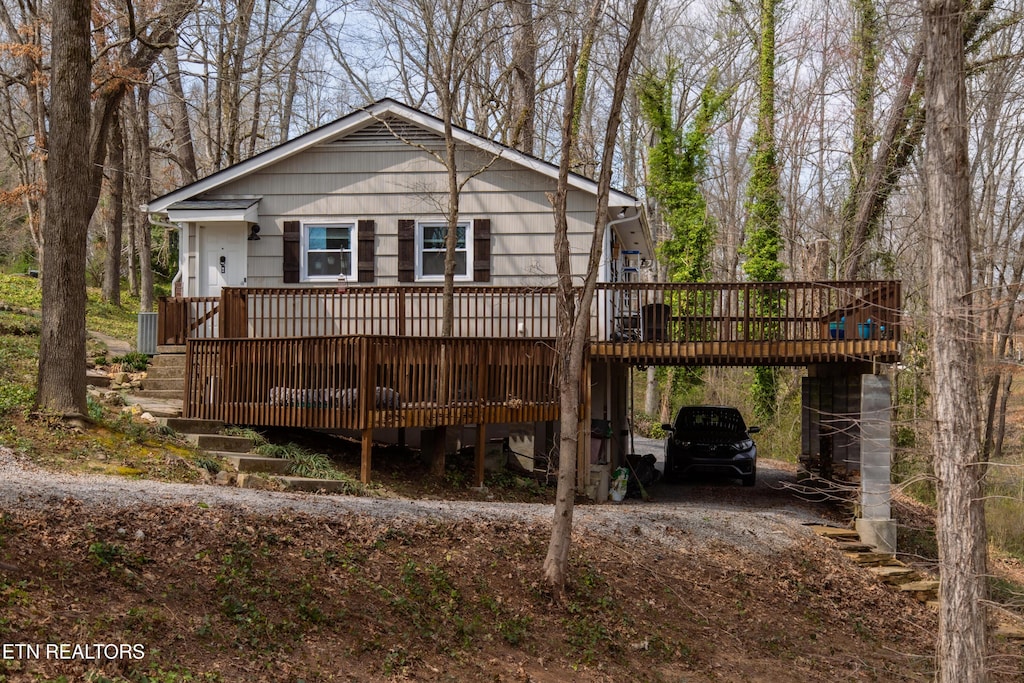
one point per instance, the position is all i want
(146, 339)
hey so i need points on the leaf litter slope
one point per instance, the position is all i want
(226, 584)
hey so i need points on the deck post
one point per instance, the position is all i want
(367, 453)
(366, 402)
(481, 446)
(875, 524)
(583, 428)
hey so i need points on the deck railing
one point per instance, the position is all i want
(181, 318)
(752, 311)
(364, 382)
(621, 313)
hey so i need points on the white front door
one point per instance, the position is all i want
(223, 257)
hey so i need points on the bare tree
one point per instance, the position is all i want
(115, 226)
(573, 313)
(61, 386)
(960, 525)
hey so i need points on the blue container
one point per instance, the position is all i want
(866, 330)
(837, 330)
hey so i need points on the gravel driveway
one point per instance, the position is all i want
(766, 518)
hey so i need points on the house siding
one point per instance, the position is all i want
(390, 182)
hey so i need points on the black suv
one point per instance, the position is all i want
(710, 439)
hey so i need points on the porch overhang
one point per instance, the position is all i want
(216, 211)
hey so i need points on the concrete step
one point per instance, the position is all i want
(165, 373)
(220, 442)
(184, 425)
(170, 349)
(312, 485)
(257, 463)
(160, 394)
(177, 362)
(159, 384)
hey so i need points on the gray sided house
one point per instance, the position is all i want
(363, 200)
(351, 219)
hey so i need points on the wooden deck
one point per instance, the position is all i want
(365, 358)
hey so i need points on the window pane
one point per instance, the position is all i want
(327, 263)
(434, 236)
(338, 238)
(433, 263)
(317, 238)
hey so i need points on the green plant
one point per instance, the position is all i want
(133, 361)
(209, 464)
(95, 409)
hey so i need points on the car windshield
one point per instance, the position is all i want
(722, 419)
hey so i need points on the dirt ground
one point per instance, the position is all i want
(706, 582)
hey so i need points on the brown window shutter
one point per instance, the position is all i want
(406, 250)
(366, 236)
(482, 250)
(292, 251)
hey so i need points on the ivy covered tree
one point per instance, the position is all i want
(764, 205)
(677, 162)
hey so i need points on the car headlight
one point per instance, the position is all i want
(743, 446)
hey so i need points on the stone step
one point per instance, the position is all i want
(97, 378)
(162, 394)
(158, 408)
(852, 547)
(1010, 629)
(220, 442)
(924, 591)
(185, 425)
(312, 485)
(871, 559)
(257, 463)
(895, 575)
(161, 384)
(835, 533)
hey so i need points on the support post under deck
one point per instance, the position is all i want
(875, 524)
(367, 453)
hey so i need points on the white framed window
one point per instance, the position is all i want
(328, 250)
(430, 250)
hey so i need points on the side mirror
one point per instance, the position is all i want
(667, 427)
(753, 430)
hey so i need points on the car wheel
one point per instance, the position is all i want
(749, 479)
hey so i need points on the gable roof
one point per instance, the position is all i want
(356, 121)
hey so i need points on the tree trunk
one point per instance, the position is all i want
(651, 391)
(960, 524)
(144, 238)
(574, 316)
(293, 72)
(61, 383)
(524, 76)
(115, 228)
(184, 150)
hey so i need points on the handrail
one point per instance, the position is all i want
(621, 312)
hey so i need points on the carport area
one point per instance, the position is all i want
(845, 444)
